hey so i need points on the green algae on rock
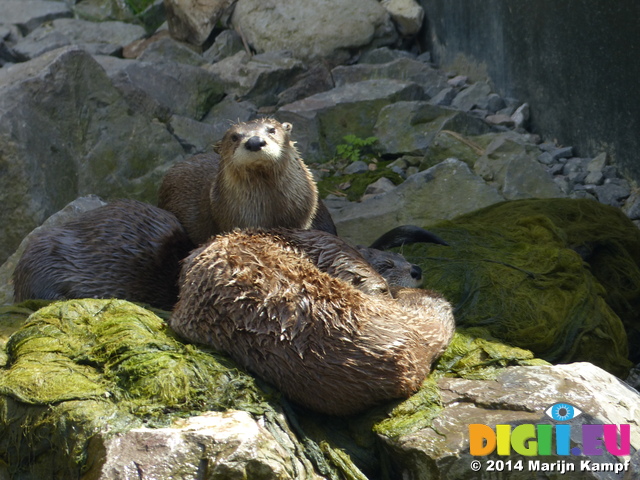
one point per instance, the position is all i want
(554, 276)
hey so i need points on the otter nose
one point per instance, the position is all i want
(416, 272)
(254, 144)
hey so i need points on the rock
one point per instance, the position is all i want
(103, 38)
(228, 111)
(384, 55)
(594, 178)
(458, 81)
(66, 131)
(356, 167)
(317, 79)
(410, 127)
(422, 199)
(195, 137)
(183, 89)
(402, 69)
(229, 444)
(322, 28)
(632, 208)
(30, 14)
(322, 120)
(495, 103)
(167, 50)
(406, 14)
(504, 121)
(546, 159)
(69, 212)
(226, 44)
(449, 144)
(521, 116)
(518, 395)
(598, 163)
(259, 78)
(574, 164)
(564, 152)
(444, 97)
(514, 169)
(475, 95)
(103, 10)
(193, 21)
(382, 185)
(612, 194)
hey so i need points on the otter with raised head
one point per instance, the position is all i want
(273, 301)
(255, 178)
(126, 249)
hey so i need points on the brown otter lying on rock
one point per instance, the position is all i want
(127, 250)
(282, 304)
(257, 180)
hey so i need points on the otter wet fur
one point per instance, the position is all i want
(256, 178)
(127, 249)
(263, 298)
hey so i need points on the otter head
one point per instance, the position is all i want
(262, 142)
(396, 270)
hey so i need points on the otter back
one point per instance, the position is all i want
(325, 344)
(257, 180)
(127, 250)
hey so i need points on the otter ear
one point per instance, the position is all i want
(217, 146)
(287, 127)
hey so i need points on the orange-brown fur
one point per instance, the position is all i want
(256, 179)
(271, 301)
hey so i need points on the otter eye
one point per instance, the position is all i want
(271, 130)
(235, 137)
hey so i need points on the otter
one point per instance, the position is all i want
(270, 300)
(254, 178)
(126, 249)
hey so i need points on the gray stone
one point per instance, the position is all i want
(594, 178)
(167, 50)
(574, 164)
(230, 110)
(103, 38)
(258, 78)
(546, 158)
(519, 395)
(322, 120)
(444, 97)
(183, 89)
(610, 171)
(632, 210)
(195, 137)
(475, 95)
(226, 44)
(322, 28)
(514, 169)
(102, 10)
(423, 199)
(564, 152)
(612, 194)
(193, 21)
(229, 444)
(598, 163)
(384, 55)
(317, 79)
(410, 127)
(382, 185)
(69, 212)
(503, 121)
(406, 14)
(65, 131)
(30, 14)
(495, 103)
(521, 116)
(458, 81)
(555, 169)
(356, 167)
(402, 69)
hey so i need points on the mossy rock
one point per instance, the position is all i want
(358, 181)
(558, 277)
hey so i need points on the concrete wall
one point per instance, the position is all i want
(576, 62)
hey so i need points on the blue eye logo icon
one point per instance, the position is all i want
(563, 412)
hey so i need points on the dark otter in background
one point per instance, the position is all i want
(257, 180)
(127, 250)
(263, 298)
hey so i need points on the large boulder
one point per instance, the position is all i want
(313, 28)
(66, 131)
(518, 396)
(193, 21)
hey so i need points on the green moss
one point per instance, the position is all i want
(358, 181)
(514, 269)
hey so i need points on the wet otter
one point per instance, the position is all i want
(127, 250)
(257, 180)
(263, 297)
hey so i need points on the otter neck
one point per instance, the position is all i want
(278, 194)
